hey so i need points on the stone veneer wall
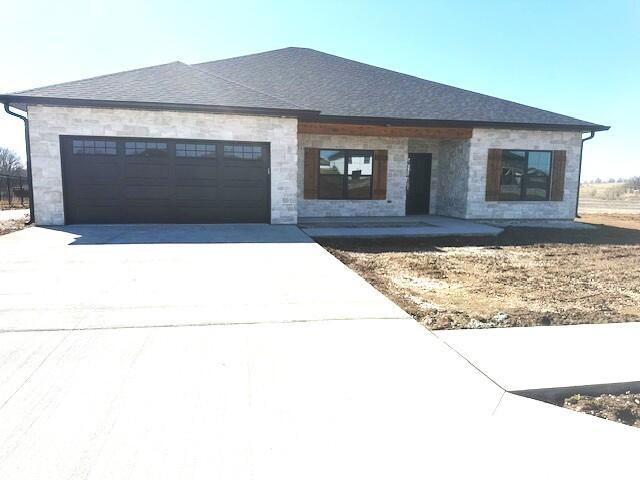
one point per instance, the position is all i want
(484, 139)
(48, 123)
(453, 175)
(394, 205)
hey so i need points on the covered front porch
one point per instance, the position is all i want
(382, 171)
(396, 226)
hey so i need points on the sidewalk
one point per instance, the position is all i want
(529, 358)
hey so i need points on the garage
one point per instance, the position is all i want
(142, 180)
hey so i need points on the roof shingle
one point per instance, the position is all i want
(175, 82)
(301, 79)
(340, 87)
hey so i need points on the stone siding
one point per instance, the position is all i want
(394, 205)
(484, 139)
(453, 174)
(48, 123)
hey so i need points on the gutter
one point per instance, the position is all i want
(179, 107)
(591, 135)
(28, 151)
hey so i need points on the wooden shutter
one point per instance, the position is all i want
(558, 166)
(311, 172)
(494, 171)
(380, 161)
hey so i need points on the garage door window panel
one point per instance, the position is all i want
(242, 152)
(195, 150)
(146, 149)
(94, 147)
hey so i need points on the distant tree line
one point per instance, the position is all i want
(631, 182)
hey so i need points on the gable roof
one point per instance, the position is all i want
(300, 82)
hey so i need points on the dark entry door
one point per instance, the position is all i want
(418, 187)
(141, 180)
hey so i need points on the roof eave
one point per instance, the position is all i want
(584, 127)
(79, 102)
(21, 101)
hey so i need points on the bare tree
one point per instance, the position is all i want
(10, 163)
(633, 183)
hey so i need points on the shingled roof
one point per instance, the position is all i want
(170, 84)
(311, 83)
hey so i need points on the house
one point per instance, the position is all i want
(291, 133)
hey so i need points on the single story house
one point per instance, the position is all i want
(290, 133)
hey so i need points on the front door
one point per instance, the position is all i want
(418, 186)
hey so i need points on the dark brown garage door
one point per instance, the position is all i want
(133, 180)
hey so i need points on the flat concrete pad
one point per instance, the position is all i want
(359, 399)
(125, 359)
(107, 276)
(410, 226)
(527, 358)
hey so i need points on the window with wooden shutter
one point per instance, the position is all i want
(380, 161)
(494, 170)
(311, 171)
(558, 167)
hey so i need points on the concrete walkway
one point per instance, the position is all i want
(531, 358)
(267, 358)
(408, 226)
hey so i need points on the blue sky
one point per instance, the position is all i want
(572, 57)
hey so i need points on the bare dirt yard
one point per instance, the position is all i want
(623, 408)
(10, 222)
(524, 277)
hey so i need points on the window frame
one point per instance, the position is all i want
(348, 155)
(523, 184)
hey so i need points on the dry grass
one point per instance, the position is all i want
(13, 225)
(623, 408)
(524, 277)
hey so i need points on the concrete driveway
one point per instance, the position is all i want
(108, 276)
(248, 352)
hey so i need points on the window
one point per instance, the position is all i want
(195, 150)
(345, 174)
(243, 152)
(525, 175)
(94, 147)
(146, 149)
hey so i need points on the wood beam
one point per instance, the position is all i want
(383, 131)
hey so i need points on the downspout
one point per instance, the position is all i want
(593, 134)
(28, 151)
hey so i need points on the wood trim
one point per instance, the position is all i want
(383, 131)
(494, 168)
(311, 172)
(558, 166)
(379, 187)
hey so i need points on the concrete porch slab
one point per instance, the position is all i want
(532, 358)
(409, 226)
